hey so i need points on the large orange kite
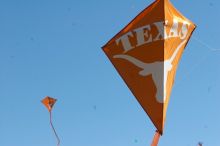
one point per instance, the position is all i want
(146, 54)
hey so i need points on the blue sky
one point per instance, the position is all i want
(53, 47)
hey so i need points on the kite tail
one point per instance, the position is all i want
(156, 139)
(58, 139)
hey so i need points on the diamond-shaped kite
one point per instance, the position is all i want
(146, 54)
(49, 103)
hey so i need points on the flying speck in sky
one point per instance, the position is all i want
(200, 144)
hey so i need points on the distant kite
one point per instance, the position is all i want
(49, 103)
(146, 54)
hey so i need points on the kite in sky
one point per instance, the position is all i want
(49, 103)
(146, 54)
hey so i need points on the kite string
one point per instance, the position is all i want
(204, 58)
(210, 48)
(58, 139)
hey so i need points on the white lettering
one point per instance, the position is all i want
(143, 33)
(125, 41)
(184, 31)
(161, 30)
(174, 29)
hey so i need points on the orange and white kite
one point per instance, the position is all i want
(146, 54)
(49, 103)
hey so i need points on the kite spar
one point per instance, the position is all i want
(49, 103)
(156, 139)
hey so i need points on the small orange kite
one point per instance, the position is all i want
(49, 103)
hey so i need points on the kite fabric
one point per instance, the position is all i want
(146, 54)
(49, 103)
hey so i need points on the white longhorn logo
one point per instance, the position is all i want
(159, 77)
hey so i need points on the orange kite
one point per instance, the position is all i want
(49, 103)
(146, 54)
